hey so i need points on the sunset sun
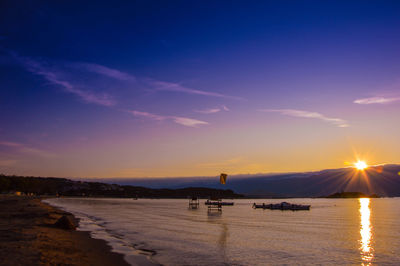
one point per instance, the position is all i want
(361, 165)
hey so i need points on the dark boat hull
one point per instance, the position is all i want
(219, 203)
(281, 206)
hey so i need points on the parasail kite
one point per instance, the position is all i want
(222, 178)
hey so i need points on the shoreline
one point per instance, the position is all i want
(29, 237)
(133, 256)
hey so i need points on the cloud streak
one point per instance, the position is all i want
(208, 111)
(155, 85)
(189, 122)
(22, 148)
(307, 114)
(53, 75)
(41, 69)
(175, 87)
(148, 115)
(376, 100)
(184, 121)
(68, 76)
(105, 71)
(222, 164)
(212, 110)
(7, 162)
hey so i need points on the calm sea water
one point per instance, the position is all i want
(334, 231)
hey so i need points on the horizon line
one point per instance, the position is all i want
(184, 177)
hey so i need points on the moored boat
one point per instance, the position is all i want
(282, 206)
(211, 202)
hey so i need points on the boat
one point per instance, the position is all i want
(282, 206)
(213, 202)
(214, 205)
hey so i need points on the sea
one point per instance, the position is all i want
(166, 232)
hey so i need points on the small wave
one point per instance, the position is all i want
(133, 253)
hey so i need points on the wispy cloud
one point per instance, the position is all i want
(7, 162)
(67, 79)
(208, 111)
(23, 148)
(154, 84)
(11, 144)
(185, 121)
(86, 96)
(42, 69)
(169, 86)
(189, 122)
(307, 114)
(148, 115)
(222, 164)
(212, 110)
(377, 100)
(71, 78)
(103, 70)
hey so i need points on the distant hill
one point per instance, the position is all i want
(382, 180)
(348, 195)
(66, 187)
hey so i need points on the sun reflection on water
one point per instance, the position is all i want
(365, 232)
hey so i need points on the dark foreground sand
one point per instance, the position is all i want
(28, 237)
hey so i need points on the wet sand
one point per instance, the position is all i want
(28, 236)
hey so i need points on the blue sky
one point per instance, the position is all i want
(180, 88)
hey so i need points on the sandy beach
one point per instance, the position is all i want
(28, 236)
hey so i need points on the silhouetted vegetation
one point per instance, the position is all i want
(66, 187)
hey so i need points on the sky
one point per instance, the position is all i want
(195, 88)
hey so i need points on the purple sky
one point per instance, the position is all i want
(190, 89)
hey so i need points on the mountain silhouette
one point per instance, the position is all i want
(383, 180)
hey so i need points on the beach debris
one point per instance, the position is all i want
(66, 222)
